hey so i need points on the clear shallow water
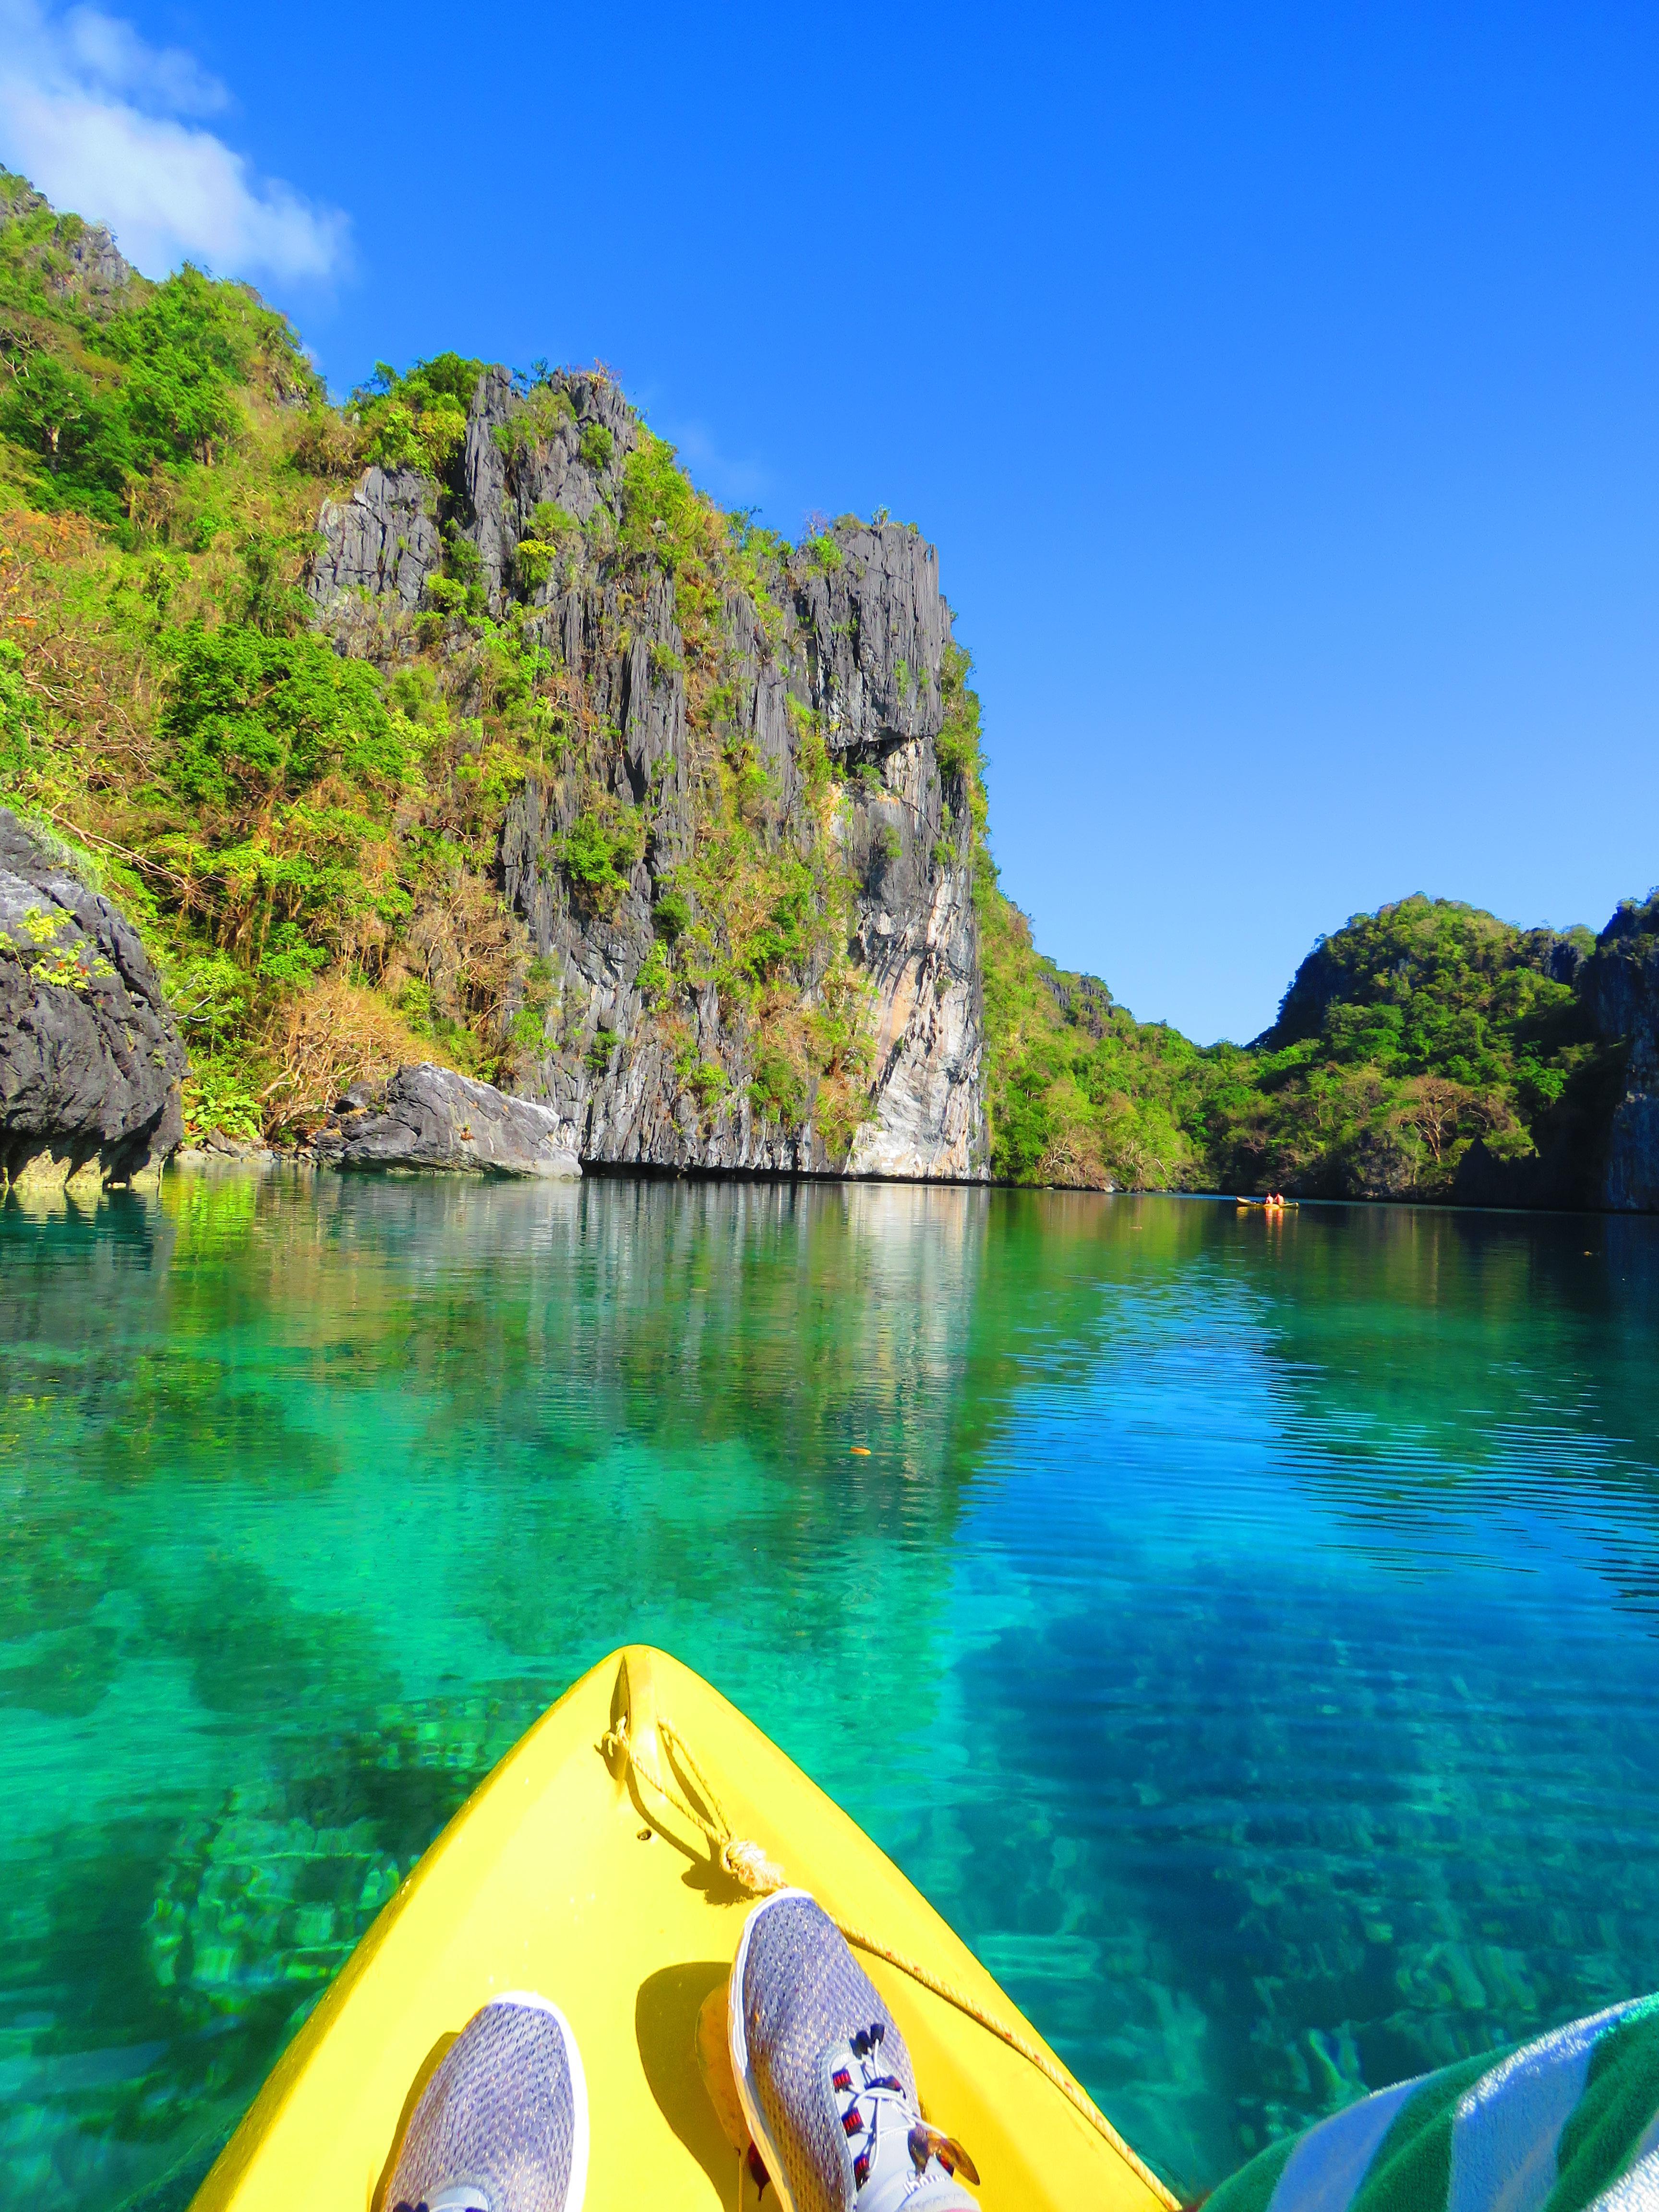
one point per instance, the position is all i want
(1245, 1635)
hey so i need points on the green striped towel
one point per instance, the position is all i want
(1568, 2123)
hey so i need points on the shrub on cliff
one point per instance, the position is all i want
(416, 420)
(290, 838)
(92, 406)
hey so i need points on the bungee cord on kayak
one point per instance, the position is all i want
(748, 1864)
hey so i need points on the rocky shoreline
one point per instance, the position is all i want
(93, 1063)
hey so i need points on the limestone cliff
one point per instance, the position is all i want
(745, 870)
(1621, 983)
(91, 1061)
(382, 541)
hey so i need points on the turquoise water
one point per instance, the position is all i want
(1244, 1633)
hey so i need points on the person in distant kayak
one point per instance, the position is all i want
(821, 2071)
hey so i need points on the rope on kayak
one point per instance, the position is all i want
(747, 1864)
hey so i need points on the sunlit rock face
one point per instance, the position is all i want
(842, 706)
(382, 541)
(427, 1118)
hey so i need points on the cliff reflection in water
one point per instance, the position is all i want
(1243, 1633)
(324, 1492)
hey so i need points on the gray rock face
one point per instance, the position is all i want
(1621, 983)
(382, 541)
(1553, 1176)
(562, 445)
(874, 630)
(619, 1086)
(428, 1117)
(1376, 1166)
(918, 940)
(1083, 999)
(96, 269)
(91, 1060)
(858, 670)
(80, 260)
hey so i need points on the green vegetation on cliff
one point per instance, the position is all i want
(1081, 1092)
(1406, 1038)
(273, 815)
(310, 840)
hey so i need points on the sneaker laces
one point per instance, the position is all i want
(892, 2145)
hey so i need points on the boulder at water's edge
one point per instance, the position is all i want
(429, 1117)
(91, 1060)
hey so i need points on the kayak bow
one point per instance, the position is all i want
(611, 1865)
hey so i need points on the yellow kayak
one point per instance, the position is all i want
(604, 1863)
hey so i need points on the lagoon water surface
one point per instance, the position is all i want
(1243, 1632)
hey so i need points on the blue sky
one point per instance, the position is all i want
(1278, 382)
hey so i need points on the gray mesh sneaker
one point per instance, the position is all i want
(824, 2075)
(502, 2124)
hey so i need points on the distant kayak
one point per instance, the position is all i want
(611, 1862)
(1270, 1205)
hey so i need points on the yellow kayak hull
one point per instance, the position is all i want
(561, 1873)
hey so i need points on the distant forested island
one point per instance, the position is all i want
(1427, 1051)
(451, 724)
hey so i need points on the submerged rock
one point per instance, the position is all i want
(91, 1060)
(219, 1149)
(428, 1117)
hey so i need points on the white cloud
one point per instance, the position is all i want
(110, 54)
(90, 113)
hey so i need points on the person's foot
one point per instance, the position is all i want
(502, 2124)
(824, 2075)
